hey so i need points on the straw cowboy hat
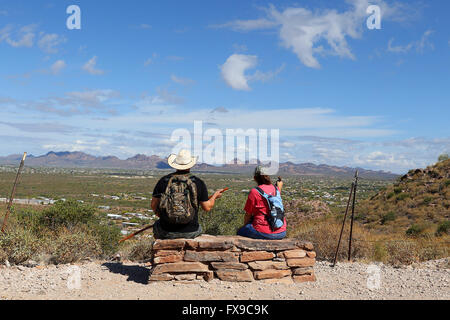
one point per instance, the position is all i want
(182, 161)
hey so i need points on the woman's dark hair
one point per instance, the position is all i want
(262, 179)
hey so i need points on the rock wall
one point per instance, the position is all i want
(233, 259)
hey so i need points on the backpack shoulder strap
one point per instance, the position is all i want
(264, 195)
(261, 191)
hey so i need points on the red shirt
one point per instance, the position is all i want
(257, 206)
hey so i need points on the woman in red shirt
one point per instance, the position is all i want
(256, 209)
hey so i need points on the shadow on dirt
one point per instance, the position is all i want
(135, 273)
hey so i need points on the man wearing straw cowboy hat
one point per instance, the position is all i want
(177, 198)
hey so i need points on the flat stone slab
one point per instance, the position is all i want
(235, 275)
(180, 267)
(264, 265)
(211, 256)
(208, 242)
(271, 245)
(229, 265)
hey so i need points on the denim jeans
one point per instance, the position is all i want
(250, 232)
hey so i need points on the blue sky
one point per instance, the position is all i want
(338, 92)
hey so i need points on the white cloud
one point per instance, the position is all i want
(24, 36)
(233, 70)
(49, 42)
(182, 81)
(265, 76)
(90, 67)
(57, 67)
(419, 45)
(301, 30)
(248, 25)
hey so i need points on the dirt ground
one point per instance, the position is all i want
(129, 281)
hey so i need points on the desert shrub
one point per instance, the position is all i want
(71, 247)
(380, 252)
(390, 216)
(427, 200)
(65, 232)
(18, 244)
(443, 157)
(3, 256)
(68, 214)
(443, 228)
(107, 236)
(415, 230)
(325, 236)
(139, 250)
(402, 196)
(402, 252)
(432, 250)
(398, 190)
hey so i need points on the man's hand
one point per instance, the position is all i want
(218, 194)
(208, 205)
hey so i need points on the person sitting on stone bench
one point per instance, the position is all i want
(260, 222)
(177, 198)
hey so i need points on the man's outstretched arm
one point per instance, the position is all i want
(208, 205)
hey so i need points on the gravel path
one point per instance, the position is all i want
(111, 280)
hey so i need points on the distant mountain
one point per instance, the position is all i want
(141, 161)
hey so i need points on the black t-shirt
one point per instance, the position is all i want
(202, 196)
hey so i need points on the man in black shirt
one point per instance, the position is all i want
(163, 228)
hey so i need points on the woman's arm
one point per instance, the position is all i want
(247, 218)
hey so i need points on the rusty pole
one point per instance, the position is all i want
(13, 192)
(353, 215)
(343, 224)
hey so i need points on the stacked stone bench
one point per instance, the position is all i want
(233, 258)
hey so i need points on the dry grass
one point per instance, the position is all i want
(395, 249)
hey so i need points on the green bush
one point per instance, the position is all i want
(140, 251)
(72, 247)
(402, 196)
(443, 228)
(415, 230)
(390, 216)
(68, 214)
(18, 244)
(402, 252)
(398, 190)
(108, 237)
(66, 232)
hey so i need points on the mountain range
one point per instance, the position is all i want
(82, 160)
